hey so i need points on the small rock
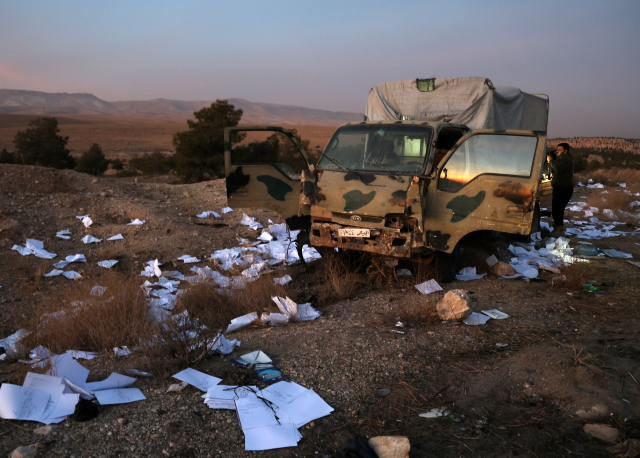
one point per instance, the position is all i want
(45, 430)
(382, 392)
(502, 269)
(122, 421)
(155, 437)
(627, 449)
(27, 451)
(595, 413)
(454, 306)
(602, 432)
(39, 445)
(390, 446)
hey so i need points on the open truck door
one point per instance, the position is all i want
(263, 168)
(488, 181)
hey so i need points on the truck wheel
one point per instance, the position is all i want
(447, 264)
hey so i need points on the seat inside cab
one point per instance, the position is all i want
(447, 138)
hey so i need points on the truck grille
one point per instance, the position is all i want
(366, 219)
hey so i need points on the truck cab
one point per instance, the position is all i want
(394, 188)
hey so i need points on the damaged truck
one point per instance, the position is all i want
(434, 161)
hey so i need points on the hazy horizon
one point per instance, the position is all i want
(327, 55)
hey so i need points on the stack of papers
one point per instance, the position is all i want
(35, 247)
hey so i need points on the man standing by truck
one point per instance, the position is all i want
(562, 183)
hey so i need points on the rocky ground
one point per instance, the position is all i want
(567, 349)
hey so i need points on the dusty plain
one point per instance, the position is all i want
(567, 349)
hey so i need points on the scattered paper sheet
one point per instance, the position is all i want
(107, 264)
(304, 408)
(251, 222)
(20, 403)
(69, 259)
(87, 221)
(476, 319)
(491, 260)
(224, 396)
(120, 396)
(428, 287)
(283, 280)
(188, 259)
(198, 379)
(136, 222)
(242, 321)
(114, 381)
(256, 357)
(617, 254)
(469, 273)
(98, 290)
(265, 237)
(115, 237)
(90, 239)
(137, 372)
(76, 354)
(71, 274)
(495, 314)
(53, 273)
(64, 366)
(227, 210)
(206, 214)
(64, 234)
(270, 437)
(404, 273)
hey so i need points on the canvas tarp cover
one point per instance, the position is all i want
(471, 101)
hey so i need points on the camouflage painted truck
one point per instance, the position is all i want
(434, 161)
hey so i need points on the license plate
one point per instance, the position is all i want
(356, 232)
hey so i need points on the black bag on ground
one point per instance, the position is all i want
(356, 447)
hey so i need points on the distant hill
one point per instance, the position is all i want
(45, 103)
(626, 145)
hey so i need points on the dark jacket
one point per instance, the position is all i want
(562, 171)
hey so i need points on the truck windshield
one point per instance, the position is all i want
(394, 148)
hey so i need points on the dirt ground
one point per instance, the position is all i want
(567, 349)
(124, 137)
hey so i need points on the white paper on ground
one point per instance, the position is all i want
(254, 412)
(64, 366)
(136, 222)
(270, 437)
(469, 273)
(283, 392)
(404, 273)
(20, 403)
(306, 312)
(283, 280)
(286, 306)
(198, 379)
(304, 409)
(256, 357)
(81, 217)
(114, 380)
(53, 386)
(53, 273)
(120, 396)
(476, 319)
(115, 237)
(274, 319)
(242, 321)
(124, 351)
(227, 210)
(206, 214)
(87, 221)
(223, 345)
(251, 222)
(64, 234)
(491, 260)
(495, 314)
(107, 264)
(76, 354)
(188, 259)
(265, 237)
(137, 372)
(24, 251)
(90, 239)
(71, 274)
(98, 291)
(428, 287)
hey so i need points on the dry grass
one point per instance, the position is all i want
(120, 317)
(342, 272)
(417, 312)
(215, 307)
(34, 281)
(572, 276)
(611, 177)
(379, 273)
(616, 201)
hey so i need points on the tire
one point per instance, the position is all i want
(447, 264)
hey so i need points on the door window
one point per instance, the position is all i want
(277, 150)
(493, 154)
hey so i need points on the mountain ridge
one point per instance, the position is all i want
(16, 101)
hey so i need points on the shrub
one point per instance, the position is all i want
(117, 164)
(200, 149)
(6, 157)
(92, 161)
(153, 164)
(41, 145)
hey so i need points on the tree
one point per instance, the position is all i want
(6, 157)
(93, 161)
(200, 149)
(117, 164)
(41, 145)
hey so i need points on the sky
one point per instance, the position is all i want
(585, 54)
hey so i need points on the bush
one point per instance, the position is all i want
(93, 161)
(41, 145)
(117, 164)
(153, 164)
(200, 150)
(6, 157)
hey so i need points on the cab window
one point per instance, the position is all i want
(510, 155)
(277, 150)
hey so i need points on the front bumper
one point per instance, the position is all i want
(382, 241)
